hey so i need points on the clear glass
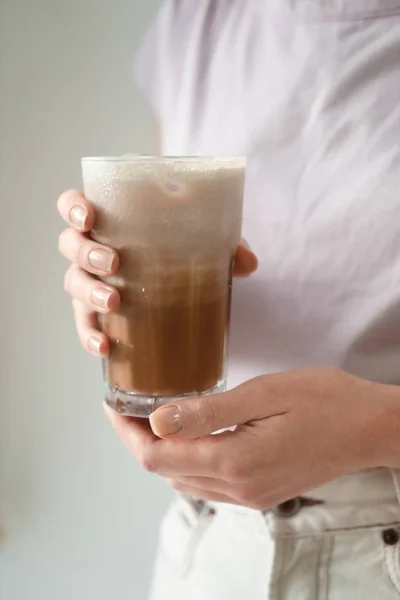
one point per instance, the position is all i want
(176, 223)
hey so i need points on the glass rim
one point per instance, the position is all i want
(165, 159)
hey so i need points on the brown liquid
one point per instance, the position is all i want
(174, 346)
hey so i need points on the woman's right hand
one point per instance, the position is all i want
(89, 259)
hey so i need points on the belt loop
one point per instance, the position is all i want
(396, 481)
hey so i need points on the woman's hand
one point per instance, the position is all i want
(89, 260)
(296, 430)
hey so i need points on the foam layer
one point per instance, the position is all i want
(133, 168)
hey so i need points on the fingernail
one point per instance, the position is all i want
(78, 216)
(101, 297)
(166, 421)
(245, 244)
(101, 260)
(94, 345)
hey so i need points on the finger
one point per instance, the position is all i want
(211, 484)
(90, 256)
(137, 436)
(200, 416)
(202, 494)
(262, 503)
(169, 457)
(76, 210)
(248, 493)
(135, 432)
(246, 261)
(91, 292)
(93, 340)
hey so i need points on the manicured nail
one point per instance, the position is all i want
(166, 421)
(100, 297)
(101, 260)
(78, 216)
(94, 345)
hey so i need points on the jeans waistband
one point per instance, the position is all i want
(364, 500)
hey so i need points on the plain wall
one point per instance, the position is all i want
(81, 516)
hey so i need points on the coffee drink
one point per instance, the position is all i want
(176, 224)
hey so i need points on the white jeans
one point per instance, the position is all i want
(342, 543)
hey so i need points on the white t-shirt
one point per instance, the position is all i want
(309, 91)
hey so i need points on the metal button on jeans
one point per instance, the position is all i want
(288, 509)
(390, 537)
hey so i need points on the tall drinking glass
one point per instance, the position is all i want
(176, 224)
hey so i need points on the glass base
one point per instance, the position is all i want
(135, 405)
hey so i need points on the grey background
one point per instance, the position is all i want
(81, 517)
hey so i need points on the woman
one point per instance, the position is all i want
(300, 502)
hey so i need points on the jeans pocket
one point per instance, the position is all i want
(182, 528)
(391, 551)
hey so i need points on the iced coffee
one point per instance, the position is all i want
(176, 224)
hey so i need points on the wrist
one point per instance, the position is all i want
(382, 435)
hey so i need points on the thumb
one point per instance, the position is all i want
(203, 415)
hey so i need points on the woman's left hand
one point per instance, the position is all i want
(295, 431)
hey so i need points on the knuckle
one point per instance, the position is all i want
(75, 307)
(61, 200)
(66, 198)
(227, 469)
(245, 495)
(234, 469)
(256, 504)
(211, 459)
(83, 338)
(205, 412)
(176, 485)
(71, 194)
(67, 280)
(148, 461)
(61, 240)
(81, 251)
(241, 470)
